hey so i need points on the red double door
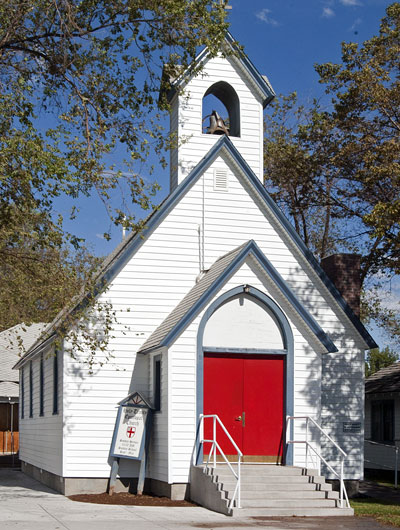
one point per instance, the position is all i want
(247, 393)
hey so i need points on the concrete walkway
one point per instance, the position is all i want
(28, 505)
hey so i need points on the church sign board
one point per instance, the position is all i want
(131, 436)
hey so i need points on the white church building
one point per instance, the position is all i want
(223, 311)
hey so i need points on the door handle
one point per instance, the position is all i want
(242, 418)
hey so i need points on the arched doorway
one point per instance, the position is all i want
(245, 372)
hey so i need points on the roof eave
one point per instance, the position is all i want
(32, 352)
(259, 80)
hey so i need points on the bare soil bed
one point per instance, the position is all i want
(128, 499)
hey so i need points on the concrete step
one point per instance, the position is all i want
(287, 496)
(292, 512)
(275, 486)
(259, 479)
(278, 491)
(274, 493)
(262, 470)
(283, 503)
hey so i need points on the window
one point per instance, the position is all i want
(157, 383)
(22, 394)
(30, 390)
(41, 388)
(55, 382)
(382, 421)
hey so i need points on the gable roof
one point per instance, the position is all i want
(385, 380)
(115, 262)
(210, 284)
(13, 341)
(261, 82)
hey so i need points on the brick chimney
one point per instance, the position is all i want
(344, 271)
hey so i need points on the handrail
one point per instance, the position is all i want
(396, 458)
(343, 492)
(205, 416)
(213, 452)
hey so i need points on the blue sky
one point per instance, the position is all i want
(284, 39)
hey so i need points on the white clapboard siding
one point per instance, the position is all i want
(343, 401)
(186, 119)
(150, 286)
(41, 436)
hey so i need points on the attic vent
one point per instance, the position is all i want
(221, 180)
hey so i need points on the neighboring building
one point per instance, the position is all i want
(13, 342)
(227, 312)
(382, 417)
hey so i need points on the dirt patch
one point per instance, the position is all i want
(128, 499)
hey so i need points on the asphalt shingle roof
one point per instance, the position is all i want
(385, 380)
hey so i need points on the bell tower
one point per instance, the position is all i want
(227, 96)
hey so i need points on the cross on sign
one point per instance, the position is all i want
(130, 431)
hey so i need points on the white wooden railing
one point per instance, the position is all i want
(343, 455)
(212, 455)
(396, 458)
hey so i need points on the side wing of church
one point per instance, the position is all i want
(222, 311)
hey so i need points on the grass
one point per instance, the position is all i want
(385, 512)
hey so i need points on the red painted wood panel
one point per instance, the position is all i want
(249, 384)
(223, 395)
(263, 403)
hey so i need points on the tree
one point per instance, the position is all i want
(299, 173)
(366, 99)
(378, 359)
(92, 70)
(79, 81)
(335, 170)
(36, 281)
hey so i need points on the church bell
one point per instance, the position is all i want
(216, 125)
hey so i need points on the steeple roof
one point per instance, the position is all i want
(260, 82)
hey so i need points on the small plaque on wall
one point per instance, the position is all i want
(352, 426)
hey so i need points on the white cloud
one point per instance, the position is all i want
(327, 12)
(356, 23)
(351, 2)
(264, 15)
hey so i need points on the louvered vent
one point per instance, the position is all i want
(221, 180)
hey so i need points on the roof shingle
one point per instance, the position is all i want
(385, 380)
